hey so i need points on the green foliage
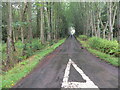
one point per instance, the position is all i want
(36, 44)
(3, 48)
(20, 70)
(19, 23)
(83, 37)
(103, 45)
(19, 44)
(30, 49)
(19, 47)
(51, 42)
(108, 58)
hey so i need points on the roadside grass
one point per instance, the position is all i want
(21, 69)
(106, 57)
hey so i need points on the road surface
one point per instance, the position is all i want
(69, 66)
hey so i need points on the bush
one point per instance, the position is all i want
(108, 47)
(83, 37)
(19, 44)
(32, 47)
(19, 48)
(51, 42)
(29, 48)
(36, 44)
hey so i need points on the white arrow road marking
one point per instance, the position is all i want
(66, 84)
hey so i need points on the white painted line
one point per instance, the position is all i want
(66, 84)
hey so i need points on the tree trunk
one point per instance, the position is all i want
(110, 22)
(9, 37)
(42, 25)
(54, 26)
(92, 26)
(104, 30)
(38, 21)
(30, 36)
(95, 31)
(118, 22)
(13, 40)
(48, 24)
(22, 19)
(98, 24)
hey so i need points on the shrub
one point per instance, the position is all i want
(51, 42)
(83, 37)
(19, 44)
(36, 44)
(32, 47)
(29, 48)
(19, 47)
(109, 47)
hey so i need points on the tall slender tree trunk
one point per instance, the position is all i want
(22, 18)
(110, 22)
(92, 26)
(42, 25)
(48, 24)
(98, 24)
(38, 21)
(9, 37)
(95, 31)
(13, 40)
(118, 22)
(54, 27)
(30, 36)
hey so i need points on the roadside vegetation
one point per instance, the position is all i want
(20, 70)
(102, 48)
(19, 55)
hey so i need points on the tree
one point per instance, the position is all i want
(9, 36)
(42, 24)
(30, 36)
(23, 11)
(110, 21)
(48, 12)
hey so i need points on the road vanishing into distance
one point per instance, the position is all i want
(71, 66)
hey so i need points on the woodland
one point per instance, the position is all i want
(28, 27)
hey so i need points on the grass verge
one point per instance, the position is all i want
(106, 57)
(11, 77)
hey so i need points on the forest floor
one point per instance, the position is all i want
(70, 66)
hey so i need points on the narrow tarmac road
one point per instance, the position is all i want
(69, 66)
